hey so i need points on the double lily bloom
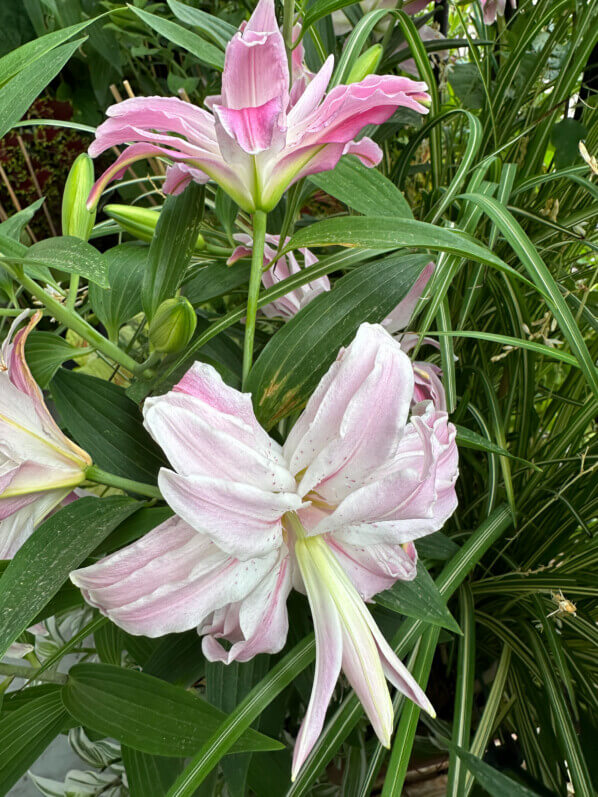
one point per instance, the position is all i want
(39, 466)
(332, 513)
(264, 131)
(277, 270)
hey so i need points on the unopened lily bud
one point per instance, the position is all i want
(366, 64)
(76, 219)
(140, 222)
(173, 325)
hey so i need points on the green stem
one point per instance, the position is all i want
(287, 32)
(100, 476)
(10, 311)
(255, 278)
(72, 294)
(23, 671)
(71, 319)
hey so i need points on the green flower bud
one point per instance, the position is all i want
(172, 326)
(366, 64)
(76, 219)
(140, 222)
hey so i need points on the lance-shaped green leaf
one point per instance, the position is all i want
(496, 783)
(119, 303)
(43, 563)
(218, 30)
(366, 190)
(419, 598)
(19, 92)
(147, 713)
(205, 52)
(26, 732)
(172, 246)
(387, 233)
(46, 352)
(70, 254)
(294, 360)
(107, 424)
(149, 775)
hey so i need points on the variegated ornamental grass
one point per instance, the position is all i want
(297, 444)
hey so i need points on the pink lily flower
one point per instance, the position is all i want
(39, 466)
(262, 134)
(492, 8)
(332, 513)
(289, 304)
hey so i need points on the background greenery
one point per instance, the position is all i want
(514, 683)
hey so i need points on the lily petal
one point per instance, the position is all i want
(329, 654)
(241, 519)
(257, 624)
(168, 581)
(339, 439)
(399, 318)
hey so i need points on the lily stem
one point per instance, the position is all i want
(24, 671)
(95, 474)
(72, 294)
(287, 32)
(255, 277)
(70, 318)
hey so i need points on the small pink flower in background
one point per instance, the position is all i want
(428, 377)
(332, 513)
(492, 8)
(262, 134)
(39, 466)
(290, 304)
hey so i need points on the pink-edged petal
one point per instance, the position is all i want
(239, 253)
(241, 519)
(178, 177)
(168, 581)
(296, 163)
(313, 93)
(346, 110)
(202, 393)
(413, 6)
(492, 8)
(338, 440)
(255, 65)
(133, 119)
(18, 526)
(148, 107)
(397, 673)
(253, 128)
(428, 385)
(132, 154)
(329, 655)
(204, 383)
(413, 495)
(200, 442)
(399, 318)
(28, 433)
(374, 568)
(257, 624)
